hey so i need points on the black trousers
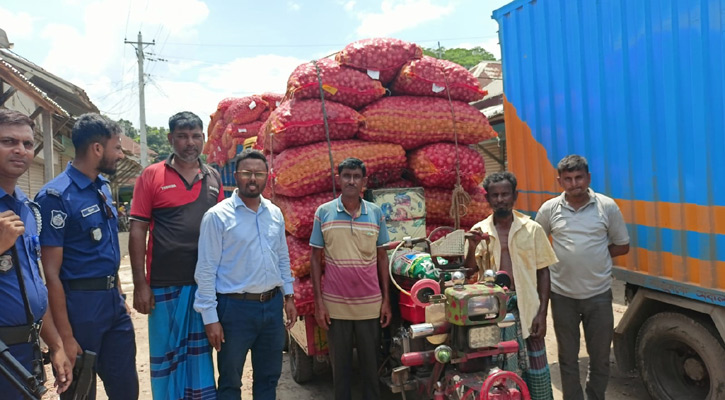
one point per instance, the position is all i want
(596, 314)
(365, 336)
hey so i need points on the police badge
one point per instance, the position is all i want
(96, 234)
(6, 262)
(57, 219)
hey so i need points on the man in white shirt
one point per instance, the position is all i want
(587, 229)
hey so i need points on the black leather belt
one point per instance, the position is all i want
(16, 334)
(103, 283)
(261, 297)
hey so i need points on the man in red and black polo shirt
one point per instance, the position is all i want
(169, 199)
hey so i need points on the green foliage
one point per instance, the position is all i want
(157, 141)
(465, 57)
(128, 128)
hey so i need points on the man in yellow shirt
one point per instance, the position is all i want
(518, 246)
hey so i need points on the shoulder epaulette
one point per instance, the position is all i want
(53, 192)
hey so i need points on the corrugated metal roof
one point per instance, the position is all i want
(489, 75)
(70, 97)
(15, 78)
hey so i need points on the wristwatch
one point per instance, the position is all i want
(288, 296)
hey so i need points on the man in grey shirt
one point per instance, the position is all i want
(587, 229)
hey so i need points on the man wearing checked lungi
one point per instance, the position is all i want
(169, 199)
(518, 246)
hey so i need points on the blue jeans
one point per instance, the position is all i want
(256, 326)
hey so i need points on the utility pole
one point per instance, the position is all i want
(139, 46)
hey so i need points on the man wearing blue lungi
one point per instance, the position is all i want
(170, 198)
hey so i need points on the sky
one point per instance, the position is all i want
(205, 51)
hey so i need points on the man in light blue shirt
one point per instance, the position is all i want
(244, 280)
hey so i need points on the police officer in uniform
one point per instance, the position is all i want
(23, 295)
(81, 256)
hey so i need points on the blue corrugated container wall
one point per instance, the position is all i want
(227, 172)
(637, 87)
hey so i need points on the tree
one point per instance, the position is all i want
(465, 57)
(157, 140)
(128, 128)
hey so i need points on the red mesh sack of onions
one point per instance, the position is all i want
(212, 150)
(218, 115)
(305, 295)
(273, 100)
(429, 76)
(400, 183)
(438, 207)
(434, 165)
(429, 228)
(415, 121)
(214, 120)
(216, 129)
(232, 148)
(244, 109)
(299, 212)
(299, 254)
(264, 115)
(299, 122)
(341, 84)
(242, 131)
(304, 170)
(381, 58)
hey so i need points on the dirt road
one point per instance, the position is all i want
(622, 386)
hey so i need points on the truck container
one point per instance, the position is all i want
(637, 87)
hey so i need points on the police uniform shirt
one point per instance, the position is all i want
(13, 307)
(75, 217)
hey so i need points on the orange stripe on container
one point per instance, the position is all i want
(667, 264)
(675, 216)
(643, 260)
(626, 261)
(690, 270)
(702, 219)
(527, 157)
(705, 273)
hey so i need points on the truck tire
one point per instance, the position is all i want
(300, 364)
(680, 358)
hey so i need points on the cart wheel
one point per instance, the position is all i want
(496, 386)
(300, 364)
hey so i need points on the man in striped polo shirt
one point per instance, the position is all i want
(354, 304)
